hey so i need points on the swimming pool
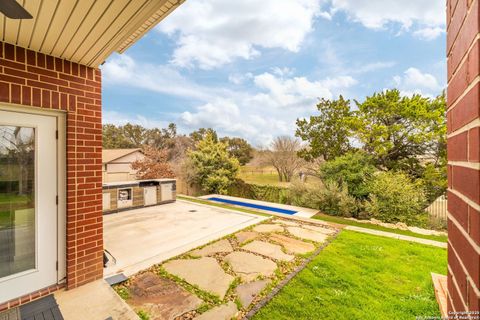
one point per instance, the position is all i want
(252, 205)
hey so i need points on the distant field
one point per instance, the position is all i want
(261, 175)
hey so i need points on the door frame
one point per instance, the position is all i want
(61, 120)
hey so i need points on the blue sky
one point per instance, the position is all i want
(251, 68)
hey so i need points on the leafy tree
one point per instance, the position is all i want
(114, 138)
(161, 138)
(239, 148)
(214, 169)
(135, 133)
(327, 134)
(284, 158)
(200, 134)
(352, 170)
(154, 165)
(401, 132)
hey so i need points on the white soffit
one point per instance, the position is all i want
(84, 31)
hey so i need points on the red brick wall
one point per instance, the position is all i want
(37, 80)
(463, 119)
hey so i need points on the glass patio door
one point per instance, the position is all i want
(28, 209)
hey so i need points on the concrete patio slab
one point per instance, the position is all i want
(216, 247)
(95, 300)
(292, 245)
(141, 238)
(223, 312)
(206, 273)
(249, 266)
(269, 250)
(266, 228)
(307, 234)
(161, 298)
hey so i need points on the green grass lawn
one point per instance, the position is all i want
(360, 276)
(344, 221)
(261, 175)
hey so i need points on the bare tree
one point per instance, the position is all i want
(283, 157)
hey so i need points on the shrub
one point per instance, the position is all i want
(329, 197)
(259, 192)
(394, 197)
(352, 170)
(435, 181)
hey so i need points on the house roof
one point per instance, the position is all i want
(109, 155)
(84, 31)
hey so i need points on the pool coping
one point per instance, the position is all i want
(301, 212)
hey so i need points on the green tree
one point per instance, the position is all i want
(201, 133)
(114, 138)
(161, 138)
(401, 132)
(214, 169)
(239, 148)
(352, 170)
(328, 133)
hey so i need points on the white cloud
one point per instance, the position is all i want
(120, 119)
(211, 33)
(429, 33)
(268, 108)
(374, 66)
(122, 69)
(414, 81)
(427, 15)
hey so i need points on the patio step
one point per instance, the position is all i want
(441, 291)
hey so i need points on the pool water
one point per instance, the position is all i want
(252, 205)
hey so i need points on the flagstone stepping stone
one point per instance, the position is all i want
(245, 236)
(265, 228)
(249, 266)
(307, 234)
(205, 272)
(319, 229)
(292, 245)
(216, 247)
(161, 298)
(246, 292)
(286, 222)
(268, 249)
(223, 312)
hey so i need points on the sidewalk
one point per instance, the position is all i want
(398, 236)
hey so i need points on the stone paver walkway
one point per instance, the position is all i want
(249, 266)
(161, 298)
(273, 251)
(204, 272)
(223, 312)
(293, 245)
(307, 234)
(252, 258)
(267, 228)
(216, 247)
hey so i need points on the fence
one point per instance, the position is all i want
(438, 208)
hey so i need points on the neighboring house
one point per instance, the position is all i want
(51, 224)
(117, 164)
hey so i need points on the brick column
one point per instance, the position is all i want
(36, 80)
(463, 120)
